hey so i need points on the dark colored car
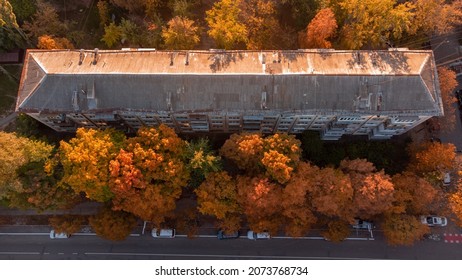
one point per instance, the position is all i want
(222, 235)
(459, 96)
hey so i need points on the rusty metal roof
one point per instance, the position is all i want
(309, 80)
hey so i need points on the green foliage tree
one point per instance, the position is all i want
(201, 161)
(181, 34)
(112, 34)
(112, 225)
(226, 28)
(23, 9)
(10, 34)
(86, 158)
(15, 152)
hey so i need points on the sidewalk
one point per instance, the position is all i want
(86, 208)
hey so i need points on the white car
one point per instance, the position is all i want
(163, 233)
(446, 179)
(434, 221)
(55, 235)
(361, 224)
(258, 235)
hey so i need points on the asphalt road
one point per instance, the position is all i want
(147, 248)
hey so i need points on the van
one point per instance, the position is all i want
(163, 233)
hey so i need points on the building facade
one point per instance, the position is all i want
(378, 94)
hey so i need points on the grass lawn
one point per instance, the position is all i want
(9, 87)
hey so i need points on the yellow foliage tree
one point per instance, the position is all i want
(431, 159)
(68, 224)
(85, 160)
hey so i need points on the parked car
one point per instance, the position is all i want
(258, 235)
(459, 96)
(223, 235)
(163, 233)
(56, 235)
(361, 224)
(434, 221)
(446, 179)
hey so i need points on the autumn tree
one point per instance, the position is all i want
(332, 194)
(261, 21)
(337, 230)
(260, 201)
(112, 225)
(86, 158)
(103, 11)
(322, 28)
(296, 201)
(112, 34)
(148, 175)
(50, 42)
(10, 34)
(455, 204)
(45, 21)
(373, 191)
(14, 153)
(41, 190)
(403, 229)
(201, 161)
(371, 23)
(226, 28)
(68, 224)
(217, 196)
(431, 159)
(181, 34)
(437, 16)
(413, 195)
(448, 82)
(245, 150)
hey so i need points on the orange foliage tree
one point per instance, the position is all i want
(86, 158)
(455, 204)
(337, 230)
(430, 159)
(147, 176)
(278, 154)
(320, 29)
(260, 200)
(296, 201)
(332, 194)
(245, 150)
(217, 196)
(68, 224)
(403, 229)
(413, 195)
(373, 191)
(112, 225)
(448, 83)
(51, 42)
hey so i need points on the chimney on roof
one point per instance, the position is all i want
(81, 57)
(95, 56)
(187, 59)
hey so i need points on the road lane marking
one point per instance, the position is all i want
(223, 256)
(24, 233)
(19, 253)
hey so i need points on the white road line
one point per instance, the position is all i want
(19, 253)
(223, 256)
(24, 233)
(60, 253)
